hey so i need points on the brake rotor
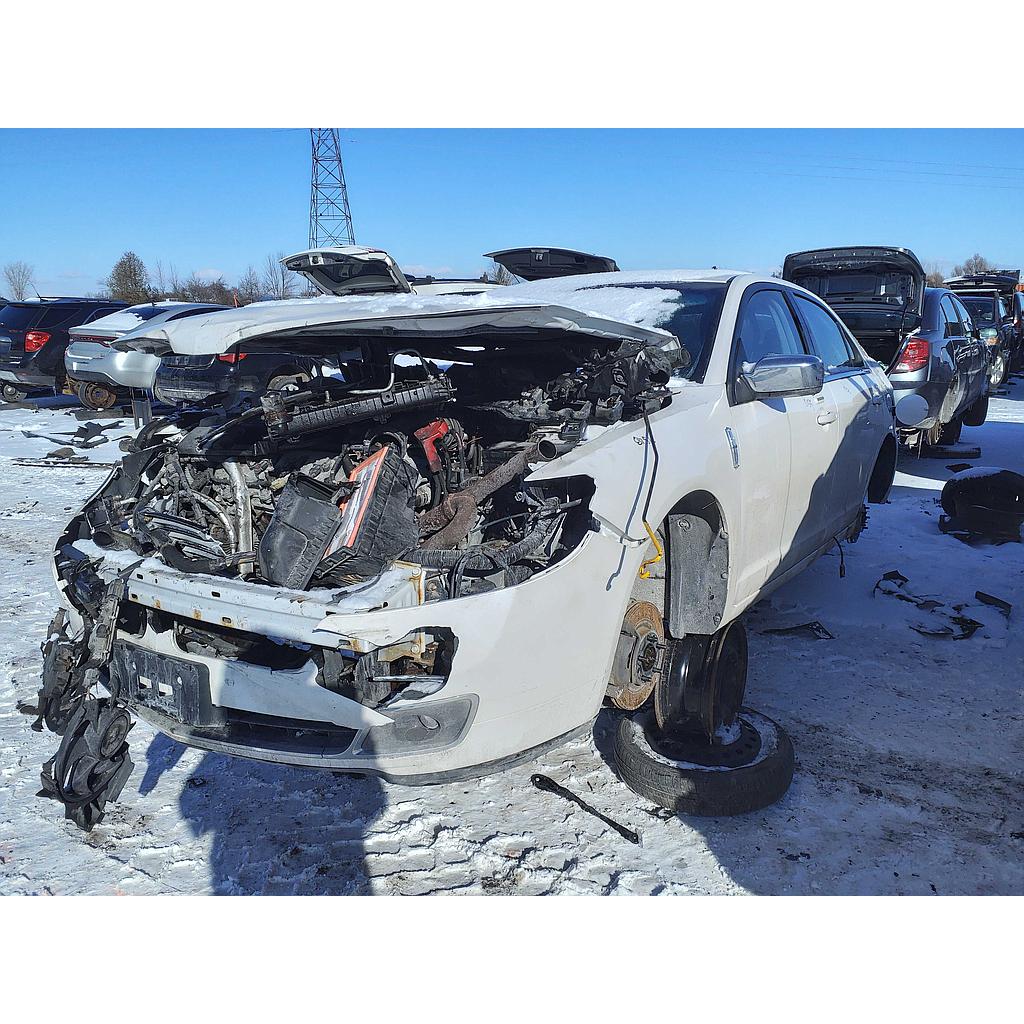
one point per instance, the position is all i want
(96, 396)
(639, 656)
(92, 763)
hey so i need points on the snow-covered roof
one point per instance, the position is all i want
(604, 305)
(122, 321)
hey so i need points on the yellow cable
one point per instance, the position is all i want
(645, 572)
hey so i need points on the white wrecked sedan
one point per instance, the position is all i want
(500, 512)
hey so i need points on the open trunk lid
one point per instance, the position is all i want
(349, 270)
(878, 291)
(1005, 282)
(538, 264)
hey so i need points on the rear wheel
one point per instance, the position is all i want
(96, 396)
(950, 432)
(12, 393)
(977, 412)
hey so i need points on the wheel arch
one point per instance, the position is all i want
(697, 572)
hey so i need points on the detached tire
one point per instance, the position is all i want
(706, 790)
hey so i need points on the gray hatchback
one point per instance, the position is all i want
(924, 337)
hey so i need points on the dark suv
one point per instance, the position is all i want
(33, 337)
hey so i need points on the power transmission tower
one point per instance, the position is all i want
(330, 219)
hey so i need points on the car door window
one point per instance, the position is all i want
(966, 323)
(766, 328)
(826, 336)
(952, 328)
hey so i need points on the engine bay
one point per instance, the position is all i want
(396, 456)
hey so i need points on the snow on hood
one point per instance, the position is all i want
(599, 305)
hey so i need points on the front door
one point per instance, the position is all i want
(783, 445)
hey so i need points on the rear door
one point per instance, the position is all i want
(969, 355)
(857, 400)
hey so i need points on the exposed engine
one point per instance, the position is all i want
(392, 460)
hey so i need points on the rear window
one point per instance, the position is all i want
(18, 318)
(147, 312)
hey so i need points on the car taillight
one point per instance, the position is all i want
(93, 339)
(232, 357)
(35, 340)
(915, 356)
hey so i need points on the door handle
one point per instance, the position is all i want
(826, 417)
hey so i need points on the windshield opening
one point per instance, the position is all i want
(689, 311)
(984, 310)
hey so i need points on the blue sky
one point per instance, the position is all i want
(214, 201)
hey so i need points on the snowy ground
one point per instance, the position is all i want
(909, 748)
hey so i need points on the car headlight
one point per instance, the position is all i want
(990, 336)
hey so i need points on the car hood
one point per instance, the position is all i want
(317, 326)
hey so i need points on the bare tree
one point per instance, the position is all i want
(250, 286)
(935, 276)
(278, 281)
(18, 276)
(160, 279)
(497, 274)
(976, 264)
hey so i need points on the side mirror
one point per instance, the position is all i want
(779, 376)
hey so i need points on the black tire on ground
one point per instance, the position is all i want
(12, 393)
(716, 791)
(977, 412)
(950, 433)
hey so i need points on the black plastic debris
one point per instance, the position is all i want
(88, 435)
(92, 763)
(983, 503)
(63, 677)
(548, 785)
(994, 602)
(950, 622)
(959, 467)
(812, 630)
(965, 628)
